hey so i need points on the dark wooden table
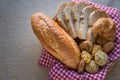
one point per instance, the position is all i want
(19, 48)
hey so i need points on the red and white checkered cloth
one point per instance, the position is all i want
(61, 72)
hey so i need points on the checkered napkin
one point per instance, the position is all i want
(61, 72)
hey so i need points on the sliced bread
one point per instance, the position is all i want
(84, 25)
(77, 11)
(59, 18)
(95, 15)
(90, 37)
(69, 19)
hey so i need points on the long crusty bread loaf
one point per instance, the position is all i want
(59, 18)
(55, 40)
(84, 22)
(77, 11)
(69, 19)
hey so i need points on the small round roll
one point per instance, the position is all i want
(91, 67)
(86, 46)
(108, 47)
(101, 58)
(96, 48)
(86, 56)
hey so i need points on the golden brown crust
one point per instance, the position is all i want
(105, 30)
(81, 66)
(101, 40)
(108, 47)
(86, 46)
(55, 40)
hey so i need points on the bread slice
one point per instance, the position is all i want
(59, 18)
(84, 25)
(90, 36)
(69, 19)
(95, 15)
(77, 11)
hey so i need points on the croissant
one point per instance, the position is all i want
(105, 30)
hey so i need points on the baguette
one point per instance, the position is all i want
(55, 40)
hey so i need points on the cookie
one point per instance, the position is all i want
(86, 46)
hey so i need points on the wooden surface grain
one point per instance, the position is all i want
(20, 49)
